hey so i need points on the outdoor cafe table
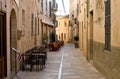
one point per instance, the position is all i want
(33, 58)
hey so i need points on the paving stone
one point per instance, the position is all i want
(73, 66)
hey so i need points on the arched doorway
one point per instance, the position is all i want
(13, 41)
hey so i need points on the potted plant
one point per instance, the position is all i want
(76, 38)
(52, 37)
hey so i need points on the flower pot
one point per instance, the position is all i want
(76, 45)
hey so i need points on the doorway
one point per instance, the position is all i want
(91, 36)
(13, 42)
(3, 47)
(62, 36)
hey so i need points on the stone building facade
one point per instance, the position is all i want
(83, 23)
(63, 29)
(73, 22)
(104, 22)
(48, 20)
(22, 25)
(99, 35)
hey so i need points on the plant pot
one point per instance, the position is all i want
(76, 45)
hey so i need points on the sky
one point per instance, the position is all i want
(61, 9)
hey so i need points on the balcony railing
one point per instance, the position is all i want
(55, 7)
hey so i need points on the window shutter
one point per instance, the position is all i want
(50, 9)
(107, 25)
(46, 6)
(41, 6)
(75, 20)
(32, 17)
(69, 23)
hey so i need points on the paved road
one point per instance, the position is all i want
(67, 63)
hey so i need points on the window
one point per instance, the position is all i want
(75, 20)
(77, 11)
(46, 6)
(41, 5)
(50, 9)
(23, 17)
(59, 36)
(64, 36)
(38, 26)
(65, 24)
(69, 23)
(35, 21)
(59, 23)
(107, 25)
(79, 5)
(32, 17)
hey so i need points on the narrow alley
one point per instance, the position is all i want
(83, 37)
(67, 63)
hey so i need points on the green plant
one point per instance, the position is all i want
(76, 38)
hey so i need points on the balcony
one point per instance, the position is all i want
(55, 7)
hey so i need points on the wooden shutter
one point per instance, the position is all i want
(42, 5)
(107, 25)
(32, 17)
(50, 9)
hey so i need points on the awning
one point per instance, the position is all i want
(48, 21)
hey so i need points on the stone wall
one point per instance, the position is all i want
(107, 61)
(104, 60)
(62, 29)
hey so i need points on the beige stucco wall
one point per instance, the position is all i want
(115, 11)
(62, 28)
(106, 61)
(27, 40)
(92, 37)
(83, 35)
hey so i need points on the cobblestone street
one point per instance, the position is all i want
(67, 63)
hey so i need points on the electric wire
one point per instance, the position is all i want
(63, 6)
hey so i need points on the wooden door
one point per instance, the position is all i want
(3, 57)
